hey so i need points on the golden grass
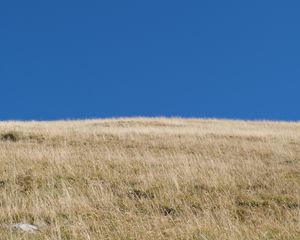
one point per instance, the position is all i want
(151, 178)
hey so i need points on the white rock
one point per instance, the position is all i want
(25, 227)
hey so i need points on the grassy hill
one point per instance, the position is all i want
(150, 178)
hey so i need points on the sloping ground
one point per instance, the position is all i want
(150, 179)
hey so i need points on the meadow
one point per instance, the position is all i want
(151, 178)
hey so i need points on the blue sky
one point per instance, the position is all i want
(87, 59)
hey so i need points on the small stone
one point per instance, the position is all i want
(26, 227)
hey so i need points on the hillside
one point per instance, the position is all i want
(150, 178)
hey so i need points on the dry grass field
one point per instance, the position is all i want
(150, 178)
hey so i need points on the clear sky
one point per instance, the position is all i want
(86, 59)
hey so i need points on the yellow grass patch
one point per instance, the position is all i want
(150, 178)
